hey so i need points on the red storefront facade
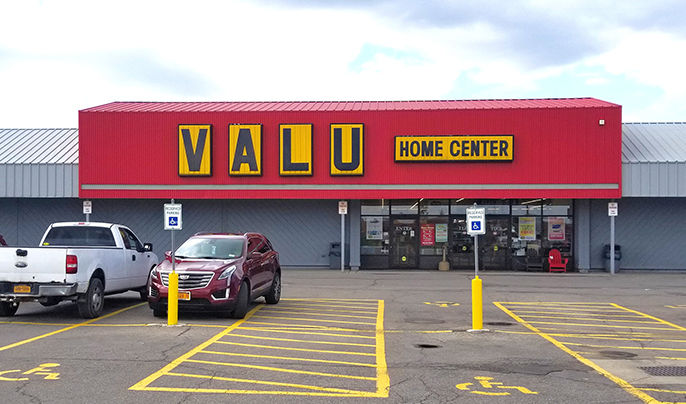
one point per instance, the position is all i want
(500, 153)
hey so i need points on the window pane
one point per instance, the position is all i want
(374, 235)
(557, 207)
(459, 206)
(433, 207)
(526, 207)
(433, 235)
(375, 207)
(405, 207)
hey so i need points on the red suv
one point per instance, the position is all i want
(220, 272)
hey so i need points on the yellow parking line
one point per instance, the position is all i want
(143, 384)
(285, 331)
(374, 301)
(621, 382)
(315, 320)
(572, 309)
(71, 327)
(298, 340)
(312, 327)
(667, 357)
(678, 327)
(598, 325)
(318, 314)
(626, 347)
(555, 303)
(383, 383)
(255, 392)
(519, 312)
(299, 386)
(290, 358)
(284, 370)
(296, 349)
(596, 319)
(341, 306)
(663, 391)
(291, 308)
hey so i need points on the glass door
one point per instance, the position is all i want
(404, 242)
(494, 245)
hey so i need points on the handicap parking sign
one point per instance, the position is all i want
(475, 221)
(172, 216)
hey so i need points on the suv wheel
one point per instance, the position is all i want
(242, 302)
(274, 294)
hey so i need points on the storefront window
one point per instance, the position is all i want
(557, 233)
(375, 207)
(557, 207)
(492, 206)
(527, 207)
(433, 207)
(374, 238)
(433, 235)
(405, 207)
(459, 206)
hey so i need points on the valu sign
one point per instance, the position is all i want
(295, 150)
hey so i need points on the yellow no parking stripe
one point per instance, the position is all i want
(281, 349)
(581, 322)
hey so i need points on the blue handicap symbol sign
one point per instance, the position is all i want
(476, 225)
(173, 221)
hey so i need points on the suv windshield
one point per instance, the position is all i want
(211, 248)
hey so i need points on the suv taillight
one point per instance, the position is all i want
(72, 264)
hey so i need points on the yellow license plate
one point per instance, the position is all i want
(184, 295)
(22, 289)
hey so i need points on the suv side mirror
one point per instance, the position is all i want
(147, 247)
(254, 255)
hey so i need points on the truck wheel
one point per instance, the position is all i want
(91, 304)
(274, 294)
(242, 301)
(7, 309)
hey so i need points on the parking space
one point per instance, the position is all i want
(310, 347)
(643, 354)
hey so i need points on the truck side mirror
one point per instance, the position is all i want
(147, 247)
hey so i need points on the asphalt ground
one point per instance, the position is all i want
(392, 336)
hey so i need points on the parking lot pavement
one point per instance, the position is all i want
(368, 336)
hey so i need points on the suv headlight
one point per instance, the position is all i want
(227, 272)
(153, 272)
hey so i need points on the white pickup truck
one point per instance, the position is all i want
(76, 261)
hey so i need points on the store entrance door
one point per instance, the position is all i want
(404, 242)
(495, 251)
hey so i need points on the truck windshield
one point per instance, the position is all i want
(74, 236)
(211, 248)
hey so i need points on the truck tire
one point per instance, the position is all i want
(274, 294)
(92, 302)
(7, 309)
(242, 301)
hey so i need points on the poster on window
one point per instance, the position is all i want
(556, 229)
(441, 232)
(374, 228)
(428, 234)
(527, 228)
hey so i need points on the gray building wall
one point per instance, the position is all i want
(649, 230)
(300, 230)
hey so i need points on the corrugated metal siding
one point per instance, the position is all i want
(649, 230)
(39, 180)
(299, 230)
(288, 106)
(654, 142)
(654, 159)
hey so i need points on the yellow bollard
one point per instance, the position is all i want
(477, 305)
(173, 299)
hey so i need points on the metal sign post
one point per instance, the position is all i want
(87, 209)
(612, 211)
(173, 222)
(476, 224)
(342, 210)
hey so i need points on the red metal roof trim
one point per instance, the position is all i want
(348, 105)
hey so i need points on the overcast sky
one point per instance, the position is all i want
(57, 57)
